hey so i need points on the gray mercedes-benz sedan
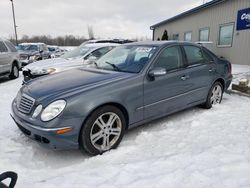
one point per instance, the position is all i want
(90, 108)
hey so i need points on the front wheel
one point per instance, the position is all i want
(214, 96)
(103, 130)
(14, 72)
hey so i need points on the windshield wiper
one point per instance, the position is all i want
(113, 65)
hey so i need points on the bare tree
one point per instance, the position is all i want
(91, 32)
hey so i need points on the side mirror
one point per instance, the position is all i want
(157, 71)
(41, 51)
(92, 58)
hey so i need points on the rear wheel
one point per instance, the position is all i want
(103, 130)
(14, 72)
(214, 96)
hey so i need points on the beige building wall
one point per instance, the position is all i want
(212, 18)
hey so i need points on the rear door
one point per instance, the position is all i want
(166, 94)
(5, 58)
(201, 69)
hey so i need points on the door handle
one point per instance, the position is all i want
(185, 77)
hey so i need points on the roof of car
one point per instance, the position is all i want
(97, 45)
(31, 43)
(159, 43)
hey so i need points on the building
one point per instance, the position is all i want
(224, 22)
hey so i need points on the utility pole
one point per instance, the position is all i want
(14, 19)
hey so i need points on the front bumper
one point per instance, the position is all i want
(48, 136)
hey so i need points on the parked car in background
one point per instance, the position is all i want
(117, 41)
(31, 52)
(78, 57)
(90, 108)
(9, 59)
(56, 51)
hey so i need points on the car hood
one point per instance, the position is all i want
(71, 82)
(56, 63)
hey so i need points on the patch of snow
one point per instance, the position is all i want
(193, 148)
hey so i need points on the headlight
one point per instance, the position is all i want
(37, 111)
(53, 110)
(50, 70)
(33, 57)
(43, 71)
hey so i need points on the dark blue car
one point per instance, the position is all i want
(90, 108)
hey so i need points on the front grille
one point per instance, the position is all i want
(25, 104)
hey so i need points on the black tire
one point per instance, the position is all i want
(208, 104)
(14, 71)
(85, 134)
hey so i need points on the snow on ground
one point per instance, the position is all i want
(192, 149)
(240, 71)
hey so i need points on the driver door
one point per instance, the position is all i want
(166, 93)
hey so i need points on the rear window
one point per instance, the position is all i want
(10, 46)
(194, 55)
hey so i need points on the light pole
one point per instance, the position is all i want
(14, 19)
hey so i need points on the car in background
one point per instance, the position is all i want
(90, 108)
(9, 60)
(117, 41)
(56, 51)
(31, 52)
(79, 57)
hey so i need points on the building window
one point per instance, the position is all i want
(175, 36)
(226, 35)
(204, 34)
(188, 36)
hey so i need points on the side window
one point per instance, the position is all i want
(170, 58)
(3, 48)
(10, 46)
(194, 55)
(207, 57)
(100, 52)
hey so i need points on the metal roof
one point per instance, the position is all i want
(189, 12)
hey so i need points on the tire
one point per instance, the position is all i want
(211, 98)
(97, 130)
(14, 71)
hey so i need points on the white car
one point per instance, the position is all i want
(81, 56)
(9, 60)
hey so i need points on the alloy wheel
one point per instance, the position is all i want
(106, 131)
(216, 95)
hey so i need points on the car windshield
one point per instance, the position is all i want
(127, 58)
(76, 53)
(28, 47)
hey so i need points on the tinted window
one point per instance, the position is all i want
(226, 35)
(3, 48)
(207, 57)
(170, 58)
(194, 55)
(10, 46)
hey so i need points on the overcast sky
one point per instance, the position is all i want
(109, 18)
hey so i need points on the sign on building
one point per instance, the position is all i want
(243, 19)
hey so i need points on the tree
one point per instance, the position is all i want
(165, 35)
(91, 32)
